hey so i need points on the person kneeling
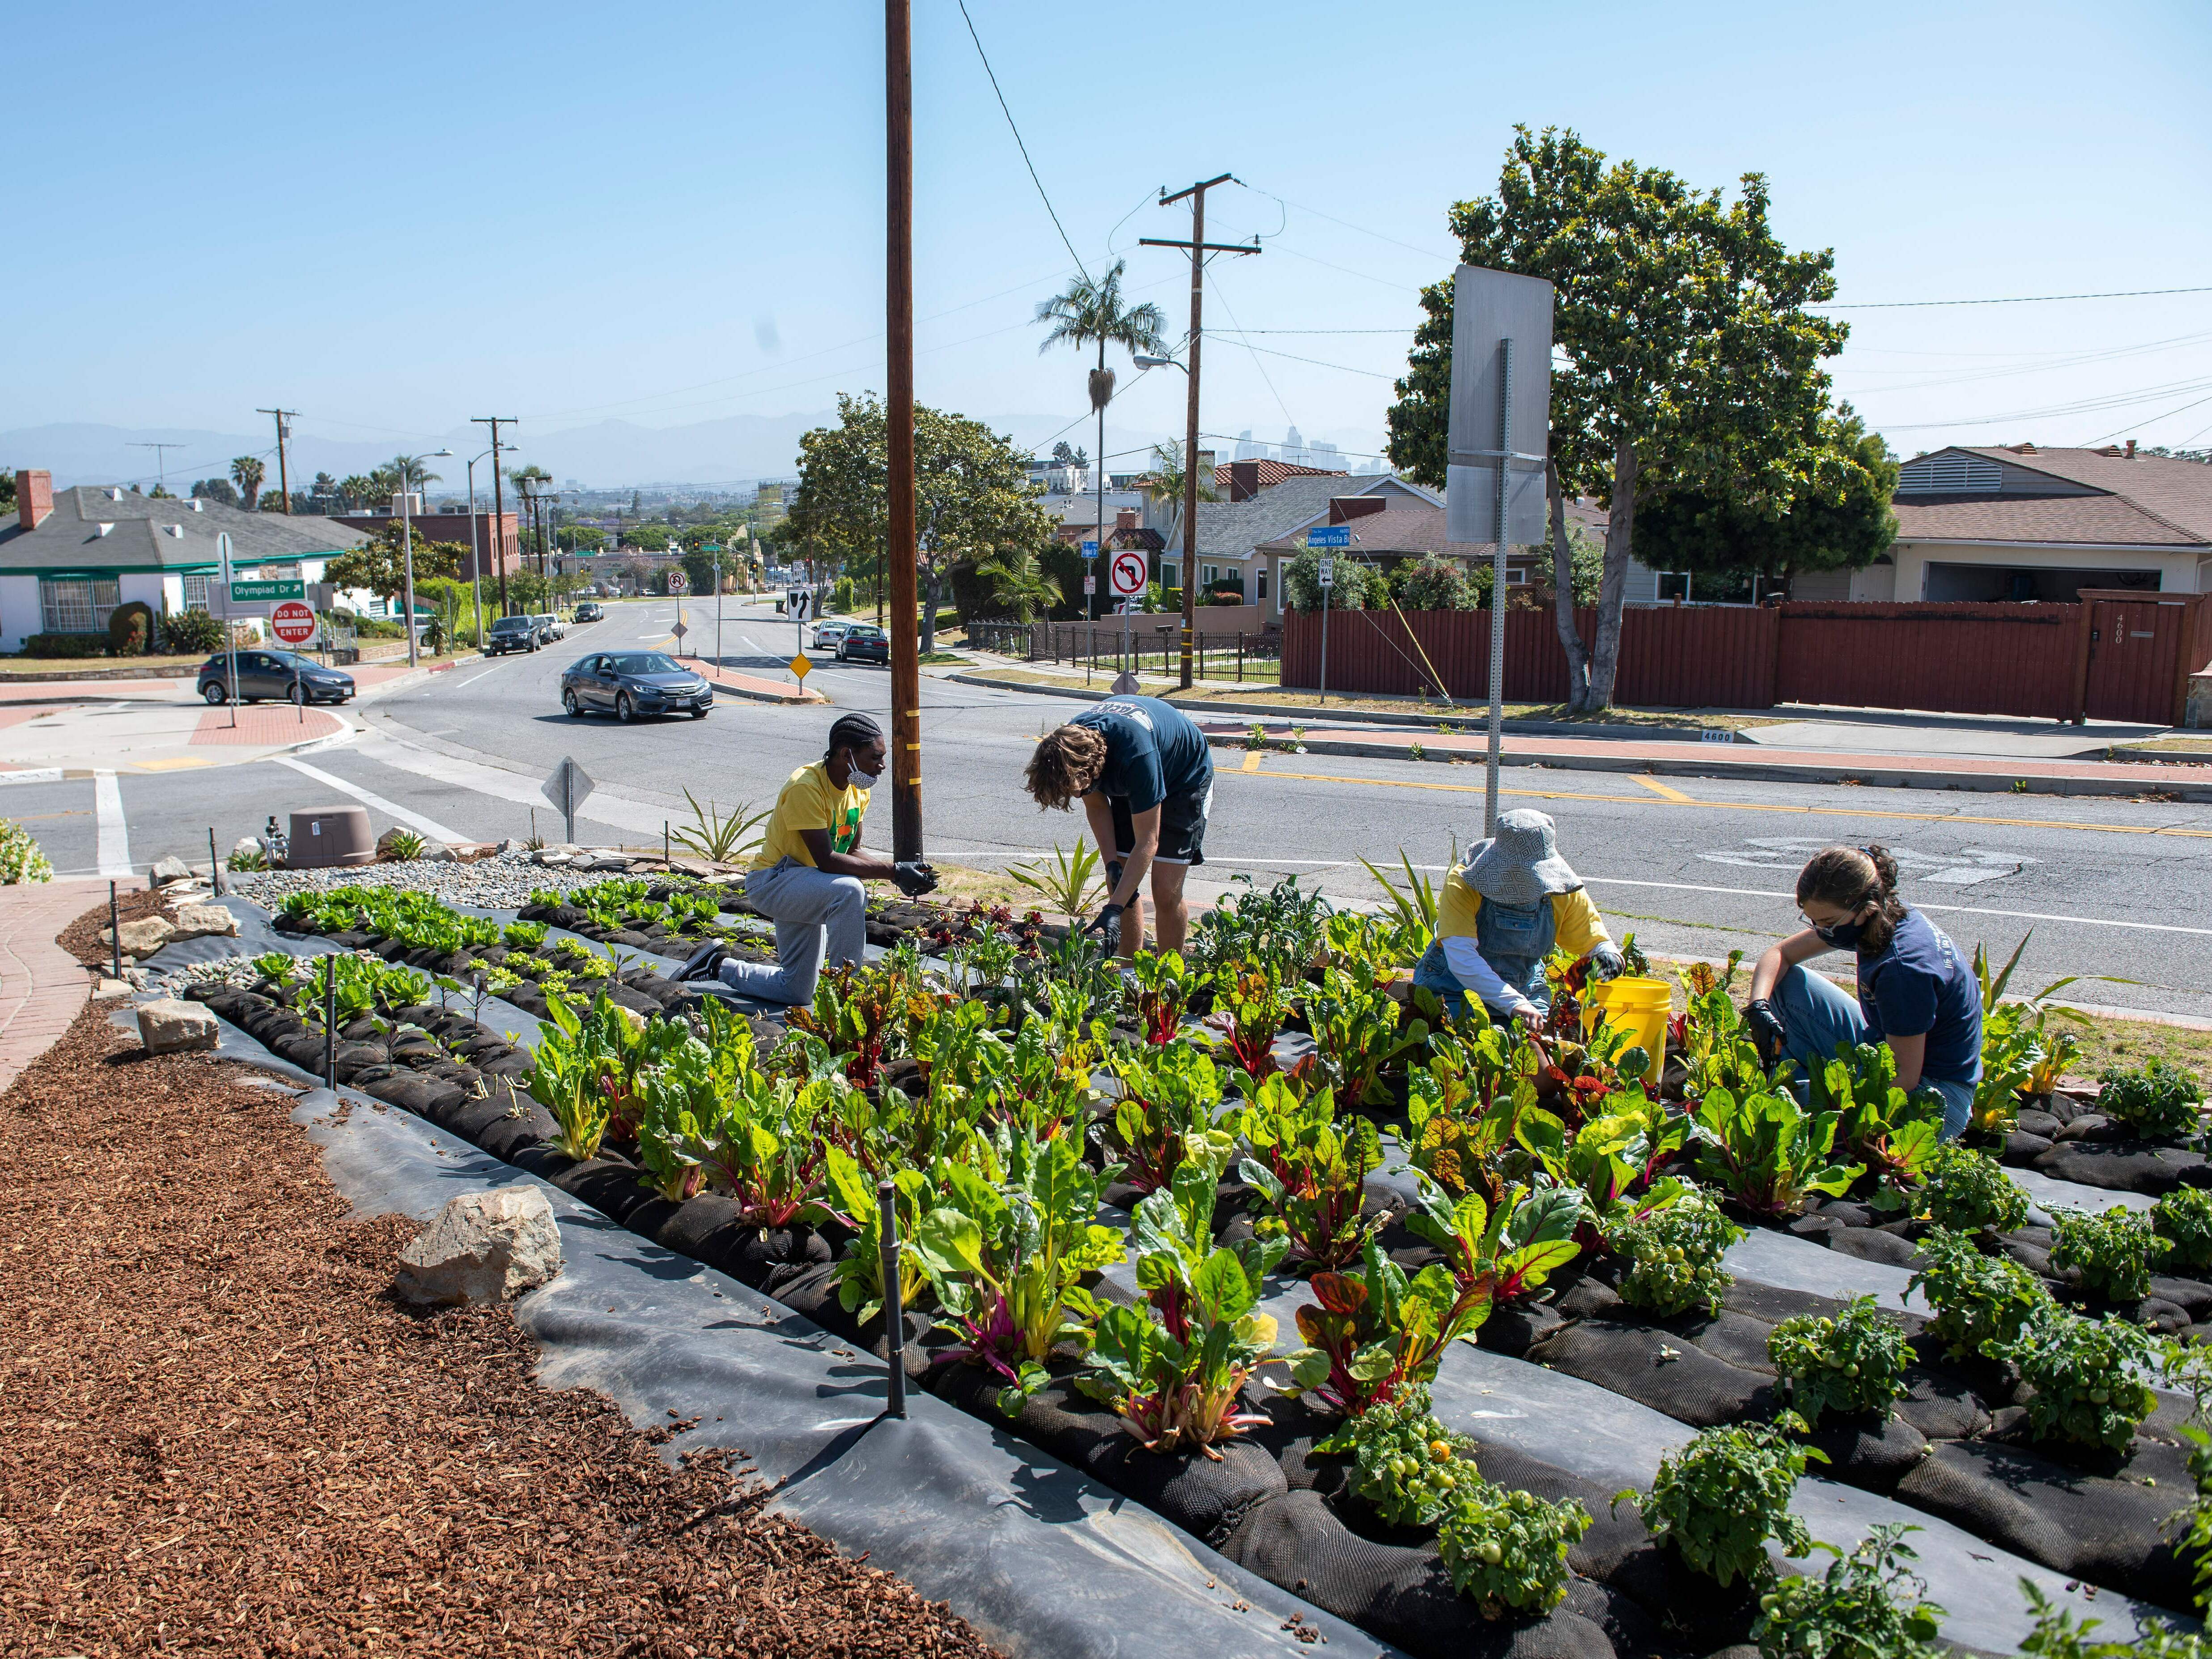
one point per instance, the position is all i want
(806, 877)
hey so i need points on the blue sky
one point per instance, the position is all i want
(673, 213)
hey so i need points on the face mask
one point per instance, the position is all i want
(1845, 935)
(860, 780)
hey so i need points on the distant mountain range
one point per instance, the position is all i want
(611, 454)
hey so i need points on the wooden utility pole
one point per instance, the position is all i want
(898, 286)
(498, 503)
(1199, 247)
(284, 434)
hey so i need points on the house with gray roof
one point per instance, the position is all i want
(1249, 535)
(72, 557)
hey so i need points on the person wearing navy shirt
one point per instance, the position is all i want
(1915, 991)
(1145, 776)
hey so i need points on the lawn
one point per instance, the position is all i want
(37, 668)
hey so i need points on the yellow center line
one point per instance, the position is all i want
(1252, 760)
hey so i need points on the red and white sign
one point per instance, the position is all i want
(1128, 572)
(292, 622)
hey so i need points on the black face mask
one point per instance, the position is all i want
(1843, 935)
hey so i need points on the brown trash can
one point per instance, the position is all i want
(325, 835)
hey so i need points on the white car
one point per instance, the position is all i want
(829, 634)
(552, 628)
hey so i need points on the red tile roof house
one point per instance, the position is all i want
(2023, 523)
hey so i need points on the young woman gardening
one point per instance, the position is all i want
(1500, 914)
(1915, 991)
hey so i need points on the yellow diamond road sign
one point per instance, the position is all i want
(800, 666)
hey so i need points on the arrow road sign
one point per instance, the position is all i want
(1329, 573)
(569, 788)
(1127, 569)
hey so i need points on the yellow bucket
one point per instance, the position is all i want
(1638, 1006)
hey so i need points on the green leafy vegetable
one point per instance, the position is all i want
(1674, 1256)
(1721, 1499)
(1852, 1362)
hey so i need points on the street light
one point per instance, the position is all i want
(407, 552)
(476, 553)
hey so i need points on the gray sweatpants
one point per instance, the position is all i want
(807, 907)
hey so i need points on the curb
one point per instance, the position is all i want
(801, 698)
(1470, 725)
(1874, 776)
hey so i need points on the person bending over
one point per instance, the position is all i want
(1145, 776)
(807, 876)
(1499, 915)
(1915, 991)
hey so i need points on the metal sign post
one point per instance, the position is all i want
(229, 635)
(569, 788)
(1327, 535)
(1090, 570)
(1497, 592)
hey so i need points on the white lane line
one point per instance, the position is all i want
(113, 845)
(374, 802)
(473, 678)
(1955, 909)
(638, 818)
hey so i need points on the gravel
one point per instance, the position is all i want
(501, 882)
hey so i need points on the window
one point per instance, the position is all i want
(1209, 574)
(1262, 576)
(278, 573)
(196, 592)
(76, 604)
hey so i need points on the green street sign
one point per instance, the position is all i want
(256, 592)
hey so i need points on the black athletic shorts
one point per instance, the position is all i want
(1182, 827)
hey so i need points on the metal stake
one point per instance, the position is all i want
(331, 1022)
(663, 843)
(114, 935)
(215, 864)
(894, 1309)
(1497, 590)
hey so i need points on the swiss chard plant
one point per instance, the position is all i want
(1501, 1252)
(1768, 1152)
(1853, 1361)
(567, 1076)
(1170, 1100)
(1467, 1109)
(1309, 1169)
(860, 1272)
(1892, 1133)
(1372, 1332)
(2113, 1251)
(676, 1098)
(1405, 1461)
(1674, 1253)
(1614, 1159)
(1966, 1191)
(763, 1145)
(2088, 1377)
(1250, 1003)
(1506, 1549)
(1720, 1500)
(1981, 1301)
(1164, 984)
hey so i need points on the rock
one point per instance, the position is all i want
(141, 937)
(510, 845)
(205, 921)
(167, 1026)
(249, 846)
(437, 851)
(134, 977)
(108, 990)
(550, 858)
(169, 869)
(605, 861)
(483, 1247)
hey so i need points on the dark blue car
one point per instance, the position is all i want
(630, 684)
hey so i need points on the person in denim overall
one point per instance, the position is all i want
(1501, 914)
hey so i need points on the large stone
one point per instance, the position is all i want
(436, 852)
(483, 1247)
(387, 844)
(169, 869)
(248, 847)
(205, 922)
(167, 1026)
(141, 937)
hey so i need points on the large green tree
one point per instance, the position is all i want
(1835, 515)
(973, 500)
(1688, 358)
(380, 563)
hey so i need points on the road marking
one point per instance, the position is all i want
(175, 763)
(1663, 791)
(113, 845)
(374, 802)
(606, 807)
(1956, 909)
(1252, 761)
(472, 680)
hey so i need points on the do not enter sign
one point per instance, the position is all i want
(1128, 572)
(292, 622)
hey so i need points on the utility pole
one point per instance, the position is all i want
(1199, 247)
(498, 503)
(284, 434)
(898, 286)
(162, 466)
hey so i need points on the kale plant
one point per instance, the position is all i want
(1853, 1362)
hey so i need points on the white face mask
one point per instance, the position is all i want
(860, 780)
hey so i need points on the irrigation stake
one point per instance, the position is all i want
(330, 1022)
(894, 1310)
(663, 843)
(114, 934)
(215, 864)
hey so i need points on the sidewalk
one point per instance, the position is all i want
(42, 987)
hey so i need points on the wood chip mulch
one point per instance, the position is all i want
(81, 938)
(220, 1433)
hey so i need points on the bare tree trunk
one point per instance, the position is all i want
(1563, 593)
(1613, 590)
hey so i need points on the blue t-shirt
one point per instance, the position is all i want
(1154, 751)
(1921, 984)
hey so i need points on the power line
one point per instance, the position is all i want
(1019, 144)
(2015, 300)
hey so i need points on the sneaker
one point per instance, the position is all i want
(704, 961)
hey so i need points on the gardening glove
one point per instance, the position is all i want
(1108, 924)
(1607, 963)
(915, 879)
(1766, 1029)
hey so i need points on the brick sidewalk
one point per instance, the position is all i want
(266, 723)
(749, 685)
(42, 987)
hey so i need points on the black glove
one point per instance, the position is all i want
(915, 879)
(1766, 1029)
(1607, 963)
(1108, 922)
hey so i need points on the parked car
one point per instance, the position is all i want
(265, 673)
(591, 611)
(826, 634)
(511, 633)
(864, 643)
(631, 684)
(550, 627)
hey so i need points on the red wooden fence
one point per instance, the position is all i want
(2021, 659)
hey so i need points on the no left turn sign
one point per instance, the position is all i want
(1128, 572)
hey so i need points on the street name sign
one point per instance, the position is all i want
(1090, 549)
(1329, 535)
(261, 593)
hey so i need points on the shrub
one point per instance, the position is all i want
(2184, 1219)
(2112, 1250)
(1674, 1256)
(65, 645)
(1967, 1191)
(1432, 583)
(1407, 1464)
(2161, 1102)
(1350, 590)
(1854, 1362)
(1723, 1497)
(186, 631)
(2087, 1377)
(1981, 1301)
(20, 857)
(1508, 1550)
(1860, 1610)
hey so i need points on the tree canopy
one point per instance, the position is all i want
(380, 563)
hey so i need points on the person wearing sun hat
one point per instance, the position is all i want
(1502, 912)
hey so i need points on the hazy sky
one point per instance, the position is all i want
(667, 213)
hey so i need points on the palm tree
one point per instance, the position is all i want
(1019, 581)
(246, 472)
(413, 470)
(358, 489)
(1167, 467)
(1092, 313)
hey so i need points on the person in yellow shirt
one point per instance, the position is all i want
(807, 876)
(1500, 914)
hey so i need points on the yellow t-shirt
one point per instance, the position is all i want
(1579, 925)
(808, 800)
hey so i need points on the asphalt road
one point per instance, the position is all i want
(2116, 892)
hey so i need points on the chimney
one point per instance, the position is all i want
(34, 498)
(1243, 480)
(1343, 509)
(1125, 518)
(2131, 449)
